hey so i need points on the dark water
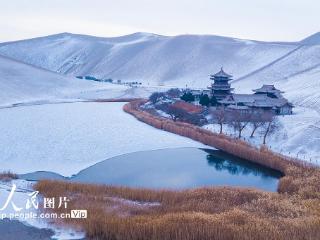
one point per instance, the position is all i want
(13, 230)
(179, 169)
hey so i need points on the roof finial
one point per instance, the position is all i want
(222, 73)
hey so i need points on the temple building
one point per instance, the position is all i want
(266, 98)
(221, 87)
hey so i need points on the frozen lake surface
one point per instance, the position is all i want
(66, 138)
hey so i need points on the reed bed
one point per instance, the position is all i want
(204, 213)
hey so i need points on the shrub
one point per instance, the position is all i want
(156, 96)
(188, 97)
(173, 93)
(204, 100)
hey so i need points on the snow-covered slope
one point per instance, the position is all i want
(190, 59)
(180, 60)
(312, 40)
(147, 57)
(20, 82)
(298, 74)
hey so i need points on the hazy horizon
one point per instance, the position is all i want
(270, 20)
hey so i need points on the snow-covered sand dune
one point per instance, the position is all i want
(298, 75)
(146, 57)
(179, 60)
(66, 138)
(20, 82)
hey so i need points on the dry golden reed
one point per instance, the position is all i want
(204, 213)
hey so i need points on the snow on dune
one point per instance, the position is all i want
(314, 39)
(66, 138)
(303, 89)
(20, 82)
(146, 57)
(177, 61)
(300, 61)
(172, 61)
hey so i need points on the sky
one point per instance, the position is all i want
(266, 20)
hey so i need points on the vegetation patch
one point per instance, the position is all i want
(204, 213)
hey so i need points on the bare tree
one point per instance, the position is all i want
(177, 113)
(239, 120)
(219, 116)
(174, 93)
(196, 119)
(156, 96)
(174, 112)
(270, 125)
(257, 121)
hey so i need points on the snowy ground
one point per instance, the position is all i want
(297, 136)
(66, 138)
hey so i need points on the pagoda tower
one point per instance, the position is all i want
(221, 87)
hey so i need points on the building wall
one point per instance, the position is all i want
(285, 110)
